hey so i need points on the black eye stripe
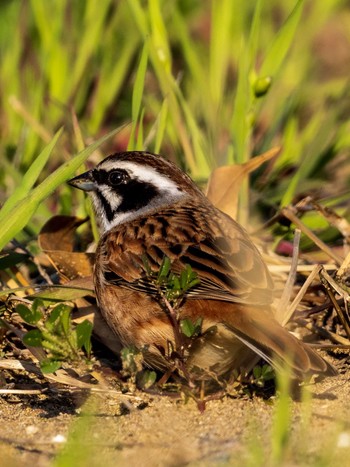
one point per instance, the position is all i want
(99, 175)
(105, 205)
(110, 177)
(136, 195)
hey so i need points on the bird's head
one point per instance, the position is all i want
(128, 185)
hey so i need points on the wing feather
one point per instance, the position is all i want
(228, 265)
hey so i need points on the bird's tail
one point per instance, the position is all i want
(260, 332)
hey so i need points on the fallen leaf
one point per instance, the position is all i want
(73, 264)
(57, 239)
(69, 291)
(225, 182)
(58, 233)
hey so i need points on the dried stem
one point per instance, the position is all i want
(289, 214)
(282, 314)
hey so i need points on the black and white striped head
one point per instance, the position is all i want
(128, 185)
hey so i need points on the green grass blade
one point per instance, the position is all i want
(139, 140)
(241, 123)
(160, 38)
(30, 177)
(161, 125)
(220, 45)
(137, 96)
(282, 42)
(21, 213)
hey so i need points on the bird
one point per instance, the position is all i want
(148, 209)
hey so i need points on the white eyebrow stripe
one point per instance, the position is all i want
(144, 173)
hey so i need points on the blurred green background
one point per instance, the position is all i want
(205, 83)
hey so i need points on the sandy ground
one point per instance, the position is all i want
(160, 431)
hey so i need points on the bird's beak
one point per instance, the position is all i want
(84, 182)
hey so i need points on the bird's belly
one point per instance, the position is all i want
(137, 319)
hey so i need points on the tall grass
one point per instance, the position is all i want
(206, 84)
(196, 93)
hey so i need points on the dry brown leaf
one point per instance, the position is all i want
(225, 182)
(58, 233)
(72, 265)
(57, 240)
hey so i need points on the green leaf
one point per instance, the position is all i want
(131, 359)
(63, 293)
(38, 306)
(164, 268)
(190, 329)
(146, 379)
(56, 314)
(139, 145)
(30, 316)
(188, 278)
(268, 372)
(220, 47)
(240, 123)
(176, 286)
(25, 313)
(8, 260)
(257, 372)
(50, 366)
(65, 321)
(198, 325)
(33, 338)
(83, 332)
(187, 327)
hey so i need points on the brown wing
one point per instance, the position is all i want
(229, 266)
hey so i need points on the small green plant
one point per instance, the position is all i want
(132, 368)
(55, 333)
(172, 287)
(262, 374)
(171, 291)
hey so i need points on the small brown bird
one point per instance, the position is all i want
(148, 209)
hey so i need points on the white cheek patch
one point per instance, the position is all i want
(111, 197)
(113, 200)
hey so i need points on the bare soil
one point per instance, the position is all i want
(153, 430)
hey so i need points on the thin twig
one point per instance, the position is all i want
(327, 282)
(323, 332)
(301, 267)
(281, 315)
(292, 307)
(22, 391)
(344, 266)
(179, 342)
(289, 214)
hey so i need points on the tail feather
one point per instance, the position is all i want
(265, 336)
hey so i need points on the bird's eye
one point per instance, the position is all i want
(117, 177)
